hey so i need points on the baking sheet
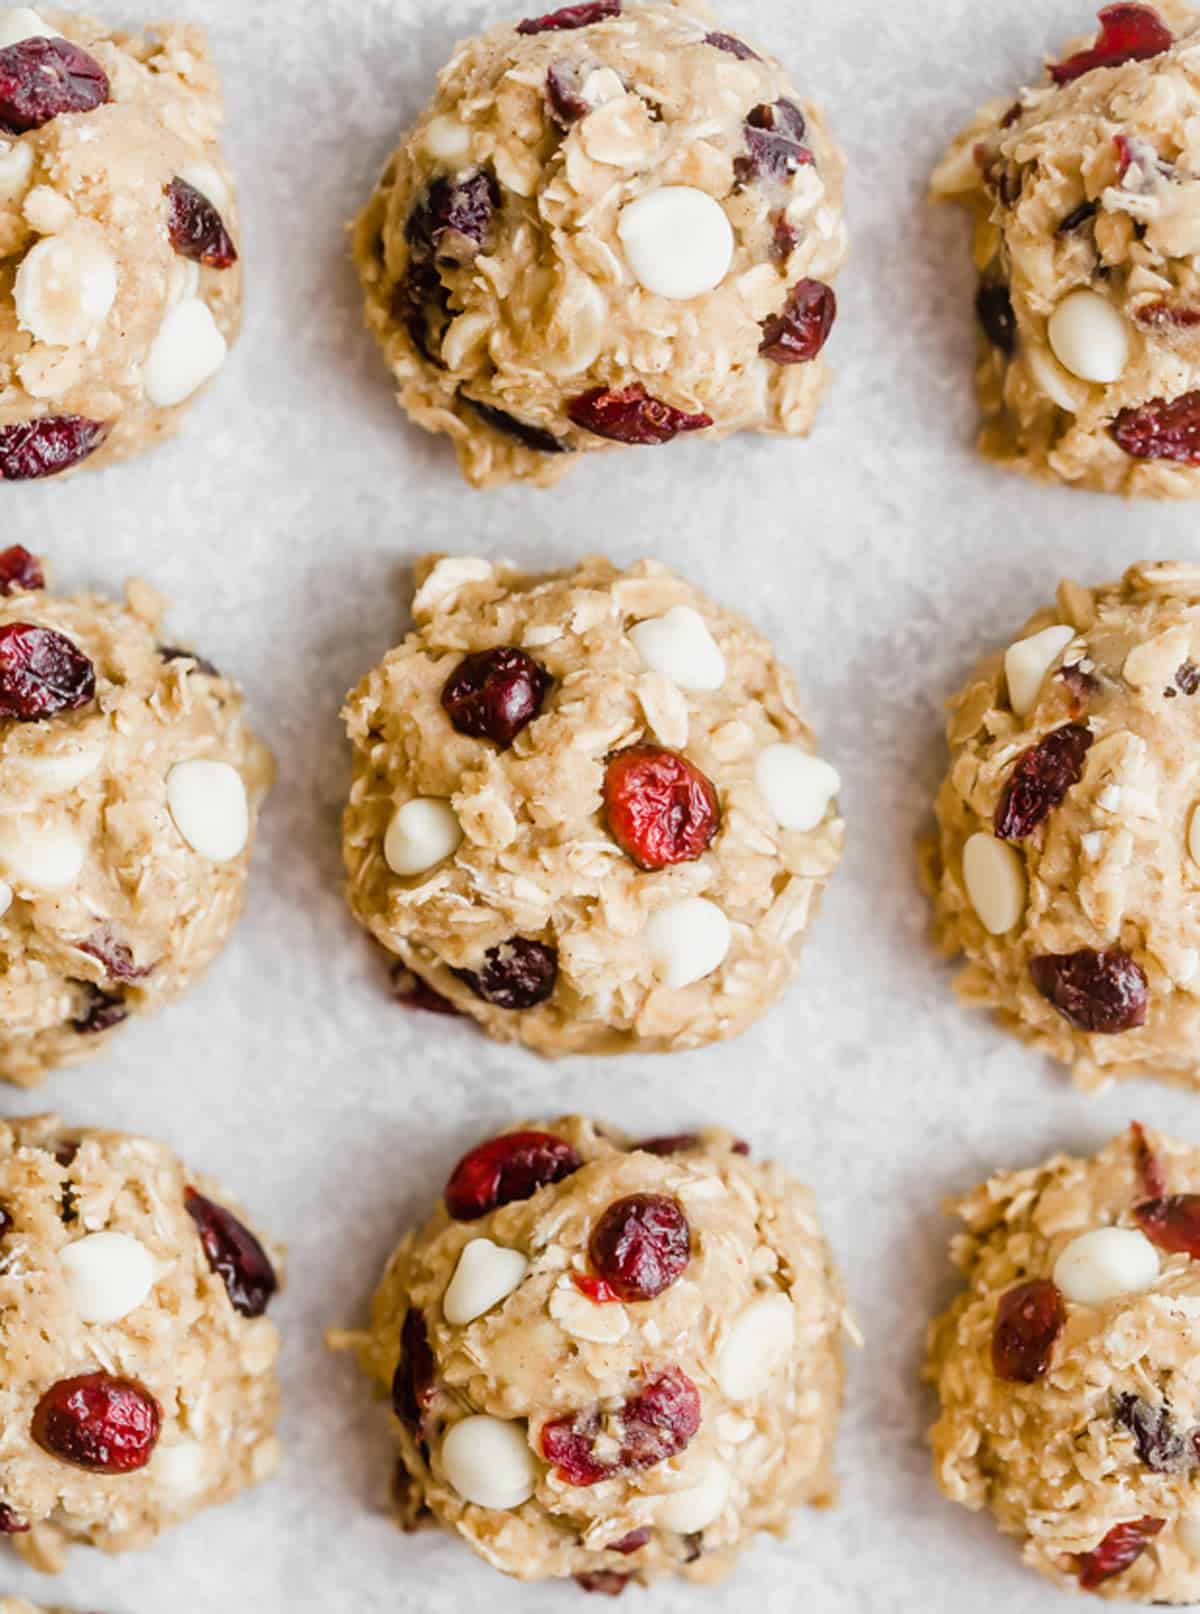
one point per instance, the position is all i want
(880, 556)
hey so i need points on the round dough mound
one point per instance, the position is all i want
(753, 1321)
(1072, 829)
(494, 252)
(1087, 226)
(106, 910)
(104, 321)
(68, 1196)
(630, 965)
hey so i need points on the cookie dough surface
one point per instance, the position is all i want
(518, 904)
(120, 291)
(120, 1267)
(745, 1336)
(1067, 862)
(591, 235)
(126, 819)
(1087, 225)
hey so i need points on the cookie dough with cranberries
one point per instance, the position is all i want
(121, 289)
(614, 223)
(129, 789)
(611, 1360)
(1067, 862)
(1086, 202)
(137, 1366)
(586, 809)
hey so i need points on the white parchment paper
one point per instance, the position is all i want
(880, 556)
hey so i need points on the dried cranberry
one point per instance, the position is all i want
(784, 237)
(10, 1523)
(65, 1152)
(677, 1143)
(453, 219)
(1121, 1547)
(656, 1424)
(994, 309)
(774, 134)
(1160, 1445)
(47, 447)
(733, 46)
(633, 1542)
(1149, 1167)
(604, 1582)
(1040, 780)
(630, 415)
(505, 1169)
(1165, 429)
(518, 974)
(42, 673)
(1082, 685)
(597, 1290)
(104, 1424)
(800, 330)
(101, 1010)
(1106, 993)
(116, 956)
(494, 694)
(659, 808)
(532, 437)
(1128, 33)
(1187, 678)
(20, 570)
(1157, 316)
(197, 229)
(414, 993)
(1172, 1221)
(422, 304)
(641, 1245)
(234, 1254)
(414, 1385)
(1029, 1320)
(571, 17)
(200, 664)
(563, 94)
(41, 79)
(1078, 216)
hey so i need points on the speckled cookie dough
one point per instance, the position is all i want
(137, 1367)
(611, 225)
(129, 790)
(1087, 229)
(1067, 864)
(120, 289)
(611, 1360)
(586, 809)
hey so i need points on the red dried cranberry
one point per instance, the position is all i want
(597, 1290)
(656, 1424)
(1029, 1320)
(633, 1542)
(994, 309)
(422, 304)
(774, 133)
(494, 694)
(1128, 33)
(47, 447)
(733, 47)
(20, 570)
(116, 956)
(659, 808)
(1121, 1547)
(414, 1385)
(518, 974)
(452, 220)
(101, 1011)
(1160, 1444)
(1040, 780)
(532, 437)
(1172, 1221)
(414, 993)
(1078, 216)
(784, 237)
(604, 1582)
(1106, 993)
(10, 1523)
(234, 1254)
(1164, 429)
(197, 229)
(571, 17)
(567, 103)
(1082, 685)
(677, 1143)
(1149, 1166)
(104, 1424)
(42, 673)
(1187, 679)
(641, 1245)
(1156, 316)
(630, 415)
(800, 330)
(41, 79)
(505, 1169)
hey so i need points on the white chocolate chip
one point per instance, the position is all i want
(447, 576)
(16, 168)
(203, 177)
(1027, 662)
(421, 834)
(795, 785)
(486, 1274)
(994, 876)
(6, 898)
(1109, 799)
(1194, 833)
(182, 1469)
(679, 646)
(187, 352)
(678, 241)
(65, 288)
(447, 140)
(56, 774)
(1089, 337)
(760, 1339)
(208, 802)
(488, 1462)
(1106, 1263)
(1188, 1534)
(45, 857)
(18, 23)
(109, 1275)
(687, 940)
(690, 1511)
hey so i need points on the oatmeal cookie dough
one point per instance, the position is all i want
(137, 1366)
(611, 1360)
(612, 224)
(585, 808)
(120, 289)
(1066, 867)
(129, 789)
(1085, 193)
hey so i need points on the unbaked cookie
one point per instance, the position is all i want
(129, 790)
(586, 809)
(611, 1360)
(1067, 863)
(1086, 202)
(120, 289)
(612, 224)
(137, 1368)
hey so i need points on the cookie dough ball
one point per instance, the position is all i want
(119, 282)
(129, 790)
(1067, 863)
(611, 1360)
(612, 224)
(1087, 230)
(586, 809)
(137, 1367)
